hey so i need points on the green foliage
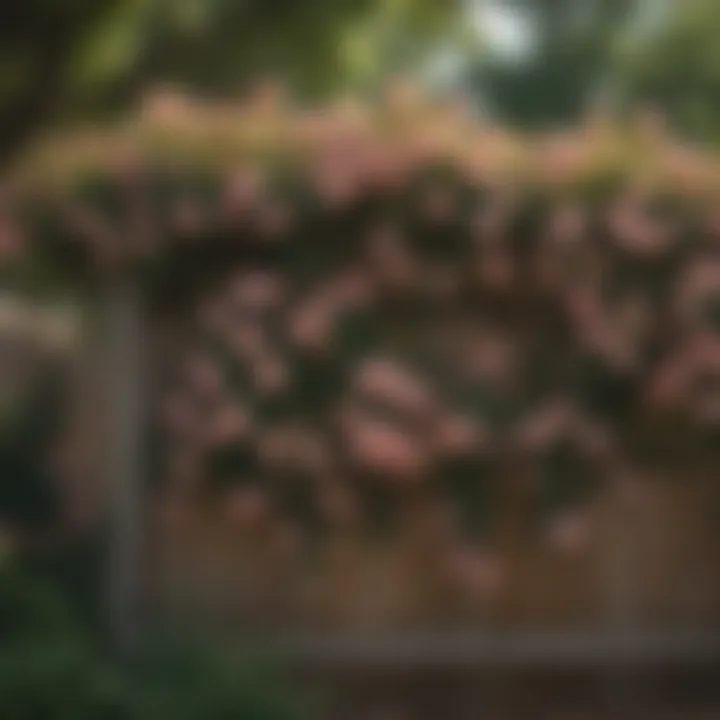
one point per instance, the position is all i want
(50, 669)
(39, 45)
(570, 59)
(57, 679)
(29, 494)
(29, 611)
(189, 681)
(219, 45)
(64, 60)
(675, 68)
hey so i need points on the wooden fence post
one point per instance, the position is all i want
(126, 422)
(620, 587)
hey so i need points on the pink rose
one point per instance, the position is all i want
(386, 380)
(381, 449)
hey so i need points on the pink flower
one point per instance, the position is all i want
(592, 439)
(311, 326)
(403, 95)
(270, 375)
(562, 158)
(583, 307)
(635, 231)
(337, 181)
(571, 532)
(311, 128)
(712, 226)
(704, 352)
(390, 261)
(351, 289)
(546, 426)
(266, 98)
(698, 284)
(230, 424)
(456, 435)
(257, 291)
(705, 408)
(567, 226)
(247, 507)
(668, 384)
(247, 340)
(291, 449)
(384, 168)
(242, 194)
(11, 240)
(490, 358)
(477, 572)
(167, 107)
(379, 448)
(496, 269)
(385, 380)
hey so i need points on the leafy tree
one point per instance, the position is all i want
(567, 63)
(218, 44)
(78, 58)
(675, 68)
(41, 44)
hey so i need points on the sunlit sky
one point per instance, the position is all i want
(502, 27)
(507, 33)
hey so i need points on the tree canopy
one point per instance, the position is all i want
(676, 68)
(567, 63)
(82, 58)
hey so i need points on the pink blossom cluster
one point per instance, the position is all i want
(402, 301)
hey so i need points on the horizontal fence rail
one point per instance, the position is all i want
(580, 650)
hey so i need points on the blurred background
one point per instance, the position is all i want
(407, 469)
(539, 64)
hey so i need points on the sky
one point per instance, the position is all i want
(503, 28)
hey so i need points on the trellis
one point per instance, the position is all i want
(211, 159)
